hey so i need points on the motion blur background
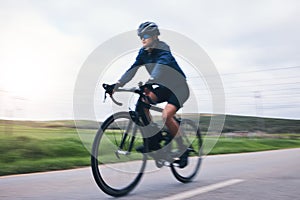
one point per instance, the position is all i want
(254, 45)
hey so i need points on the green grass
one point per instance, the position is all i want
(240, 145)
(32, 147)
(26, 149)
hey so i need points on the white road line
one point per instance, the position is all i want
(194, 192)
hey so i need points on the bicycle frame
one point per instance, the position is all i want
(125, 142)
(139, 118)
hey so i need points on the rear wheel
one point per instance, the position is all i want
(117, 167)
(192, 138)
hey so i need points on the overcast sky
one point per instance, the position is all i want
(253, 44)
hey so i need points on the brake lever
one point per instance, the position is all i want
(112, 98)
(104, 97)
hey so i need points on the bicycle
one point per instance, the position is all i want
(115, 147)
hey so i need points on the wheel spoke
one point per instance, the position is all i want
(117, 170)
(192, 138)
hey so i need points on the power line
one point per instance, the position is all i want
(252, 71)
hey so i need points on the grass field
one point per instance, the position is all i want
(27, 147)
(239, 145)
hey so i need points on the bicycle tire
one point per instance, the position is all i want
(99, 164)
(189, 132)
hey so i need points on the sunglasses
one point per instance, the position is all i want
(145, 36)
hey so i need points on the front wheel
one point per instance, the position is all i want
(117, 167)
(192, 138)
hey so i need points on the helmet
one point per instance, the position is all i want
(148, 28)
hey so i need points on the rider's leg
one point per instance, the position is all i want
(168, 116)
(151, 129)
(173, 126)
(154, 98)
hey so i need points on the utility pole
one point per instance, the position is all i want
(8, 106)
(259, 110)
(3, 111)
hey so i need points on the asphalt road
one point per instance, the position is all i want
(249, 176)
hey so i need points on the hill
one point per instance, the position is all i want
(233, 123)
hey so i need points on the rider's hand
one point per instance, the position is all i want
(110, 89)
(146, 91)
(147, 87)
(115, 87)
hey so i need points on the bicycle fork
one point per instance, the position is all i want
(131, 126)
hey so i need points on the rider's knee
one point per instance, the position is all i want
(167, 116)
(150, 98)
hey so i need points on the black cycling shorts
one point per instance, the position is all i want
(176, 98)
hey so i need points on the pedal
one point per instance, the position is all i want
(121, 152)
(160, 163)
(167, 164)
(176, 164)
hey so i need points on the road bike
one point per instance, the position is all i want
(115, 148)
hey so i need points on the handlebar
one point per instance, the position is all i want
(110, 89)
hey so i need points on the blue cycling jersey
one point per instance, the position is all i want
(160, 64)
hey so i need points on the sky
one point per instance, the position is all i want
(253, 44)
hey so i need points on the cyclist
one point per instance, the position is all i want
(166, 74)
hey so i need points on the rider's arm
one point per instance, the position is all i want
(129, 74)
(162, 62)
(166, 71)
